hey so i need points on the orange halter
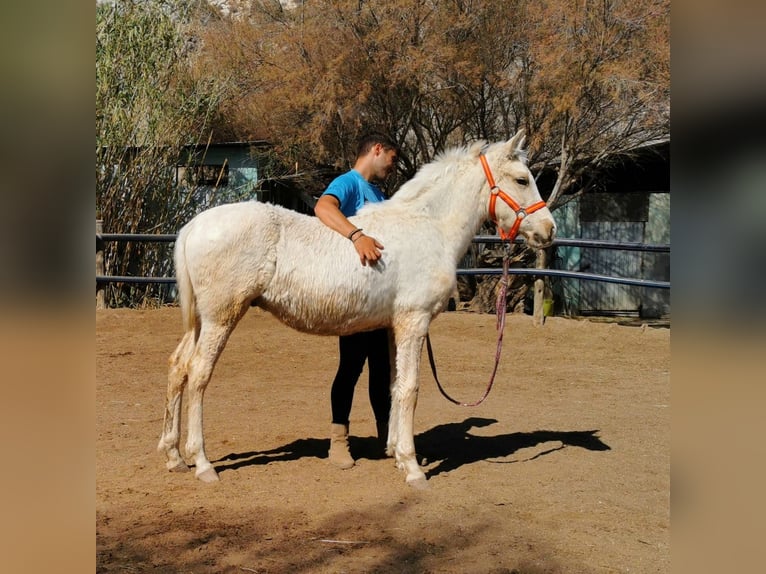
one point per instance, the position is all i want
(520, 212)
(501, 302)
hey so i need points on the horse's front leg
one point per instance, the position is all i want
(394, 412)
(404, 398)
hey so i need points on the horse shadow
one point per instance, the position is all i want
(301, 448)
(361, 447)
(453, 446)
(450, 445)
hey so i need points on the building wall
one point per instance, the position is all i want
(626, 217)
(221, 173)
(243, 178)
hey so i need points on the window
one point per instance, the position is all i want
(203, 175)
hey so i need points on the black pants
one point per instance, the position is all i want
(370, 346)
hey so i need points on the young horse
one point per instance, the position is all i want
(308, 276)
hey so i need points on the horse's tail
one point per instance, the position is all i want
(186, 297)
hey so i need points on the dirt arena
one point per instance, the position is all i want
(564, 469)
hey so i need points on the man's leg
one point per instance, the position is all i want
(379, 366)
(352, 357)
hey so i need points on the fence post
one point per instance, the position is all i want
(100, 299)
(538, 317)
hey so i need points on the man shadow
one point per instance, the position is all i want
(451, 444)
(454, 446)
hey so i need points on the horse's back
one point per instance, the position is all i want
(230, 217)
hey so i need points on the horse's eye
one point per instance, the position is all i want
(522, 180)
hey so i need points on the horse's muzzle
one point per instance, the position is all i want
(542, 235)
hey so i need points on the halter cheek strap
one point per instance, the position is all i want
(496, 192)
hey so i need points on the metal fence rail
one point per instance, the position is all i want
(571, 274)
(596, 243)
(588, 243)
(148, 237)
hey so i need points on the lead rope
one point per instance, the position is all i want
(500, 311)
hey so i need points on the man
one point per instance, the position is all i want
(375, 160)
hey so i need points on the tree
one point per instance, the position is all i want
(310, 79)
(588, 79)
(149, 107)
(597, 84)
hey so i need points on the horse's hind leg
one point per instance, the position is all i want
(212, 339)
(171, 429)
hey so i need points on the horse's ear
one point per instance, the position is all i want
(516, 142)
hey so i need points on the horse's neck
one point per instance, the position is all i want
(457, 208)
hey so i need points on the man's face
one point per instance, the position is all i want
(385, 162)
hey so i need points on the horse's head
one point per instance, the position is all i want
(515, 204)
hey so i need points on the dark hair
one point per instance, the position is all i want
(368, 141)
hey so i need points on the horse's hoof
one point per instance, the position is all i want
(209, 475)
(419, 483)
(180, 467)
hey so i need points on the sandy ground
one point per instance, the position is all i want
(565, 467)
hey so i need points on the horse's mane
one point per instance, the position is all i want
(443, 164)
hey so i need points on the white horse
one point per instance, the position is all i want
(233, 256)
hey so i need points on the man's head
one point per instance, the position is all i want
(376, 156)
(368, 141)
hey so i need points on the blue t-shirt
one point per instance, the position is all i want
(353, 191)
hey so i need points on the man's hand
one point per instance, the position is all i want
(327, 209)
(368, 248)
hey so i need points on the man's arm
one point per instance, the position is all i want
(327, 209)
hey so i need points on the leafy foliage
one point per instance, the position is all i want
(587, 79)
(149, 106)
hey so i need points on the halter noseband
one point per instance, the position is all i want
(520, 212)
